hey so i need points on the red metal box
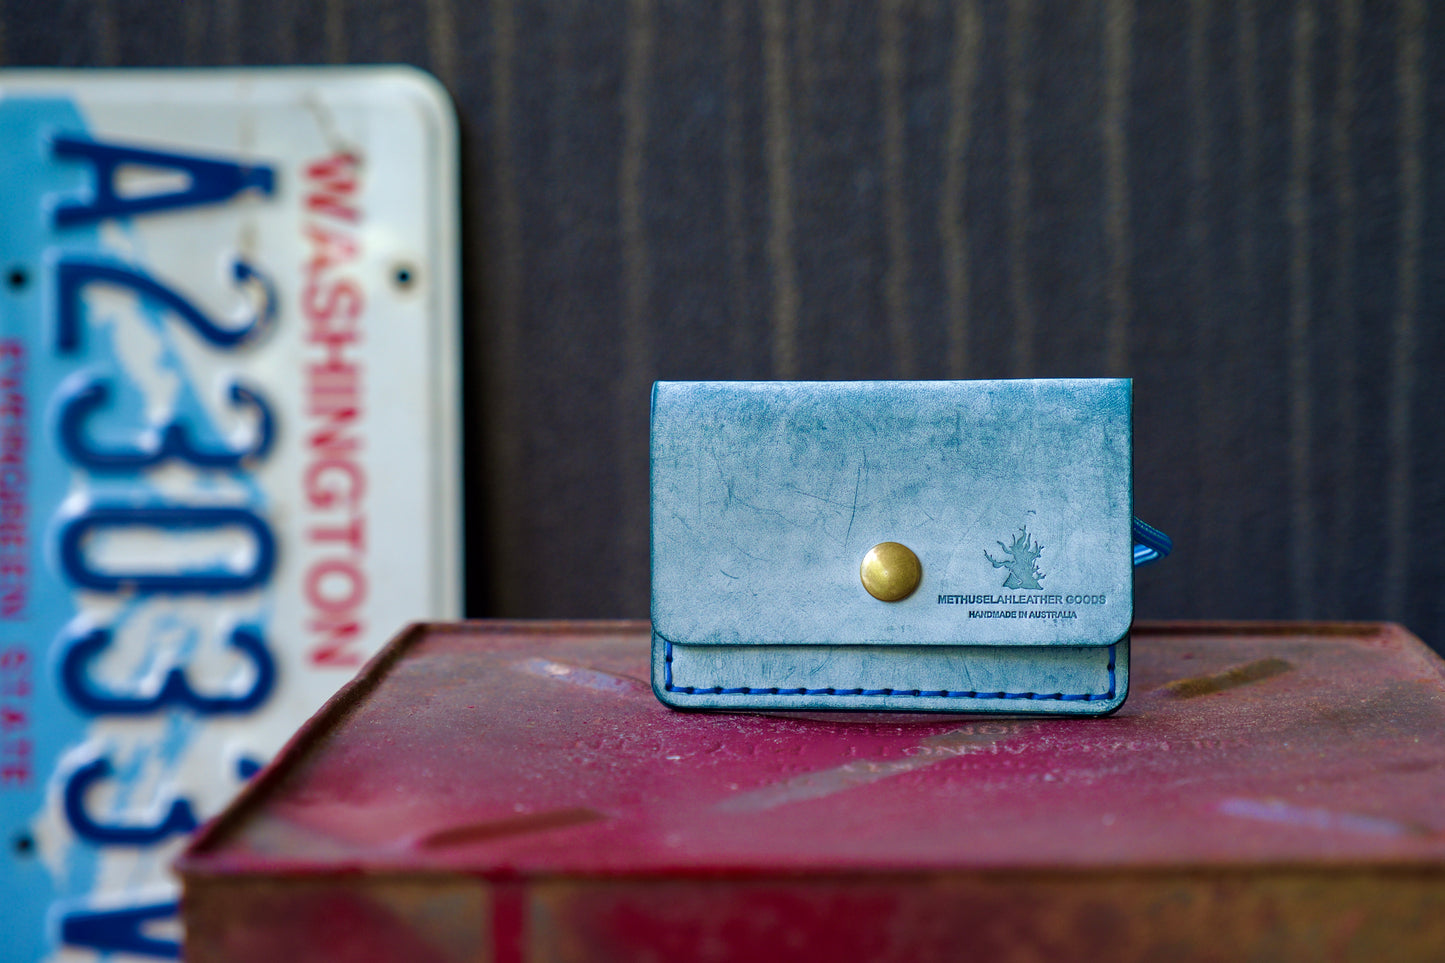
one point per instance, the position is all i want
(513, 791)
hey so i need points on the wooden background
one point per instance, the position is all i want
(1239, 204)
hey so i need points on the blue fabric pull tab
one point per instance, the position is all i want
(1150, 544)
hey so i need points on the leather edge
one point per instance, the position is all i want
(681, 699)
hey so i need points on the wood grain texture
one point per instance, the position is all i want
(1239, 204)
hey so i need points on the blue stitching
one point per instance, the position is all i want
(928, 694)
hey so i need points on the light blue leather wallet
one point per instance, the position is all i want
(953, 546)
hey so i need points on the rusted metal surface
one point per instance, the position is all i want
(513, 791)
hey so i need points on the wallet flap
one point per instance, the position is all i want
(1015, 496)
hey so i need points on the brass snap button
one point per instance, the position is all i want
(890, 572)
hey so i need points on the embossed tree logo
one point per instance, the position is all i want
(1023, 573)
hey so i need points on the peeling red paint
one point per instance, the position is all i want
(524, 756)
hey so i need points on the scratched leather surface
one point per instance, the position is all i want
(766, 496)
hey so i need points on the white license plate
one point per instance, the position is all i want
(229, 450)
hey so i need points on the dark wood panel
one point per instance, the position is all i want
(1239, 204)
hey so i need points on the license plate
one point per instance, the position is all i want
(229, 450)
